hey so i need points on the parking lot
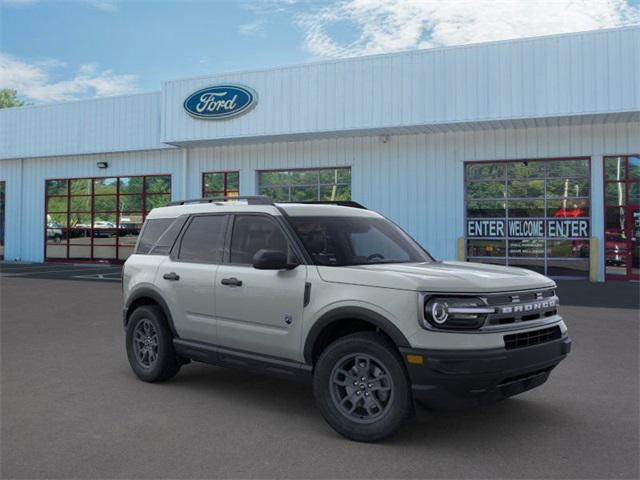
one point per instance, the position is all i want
(71, 407)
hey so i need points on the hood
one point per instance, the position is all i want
(445, 277)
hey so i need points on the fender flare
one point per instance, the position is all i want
(146, 292)
(357, 313)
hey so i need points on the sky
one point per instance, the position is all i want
(55, 50)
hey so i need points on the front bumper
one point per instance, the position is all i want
(459, 378)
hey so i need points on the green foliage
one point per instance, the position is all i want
(8, 98)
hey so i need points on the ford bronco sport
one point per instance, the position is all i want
(340, 295)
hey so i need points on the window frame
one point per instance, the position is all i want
(510, 260)
(225, 193)
(91, 212)
(318, 185)
(627, 207)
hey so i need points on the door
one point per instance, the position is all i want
(622, 217)
(259, 311)
(187, 278)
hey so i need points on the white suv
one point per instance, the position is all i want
(340, 295)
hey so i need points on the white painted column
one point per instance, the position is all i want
(597, 210)
(248, 182)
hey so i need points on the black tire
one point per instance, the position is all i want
(334, 391)
(159, 362)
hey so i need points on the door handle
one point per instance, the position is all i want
(231, 282)
(173, 276)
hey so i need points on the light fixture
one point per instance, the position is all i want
(102, 165)
(384, 138)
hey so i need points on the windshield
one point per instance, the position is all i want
(344, 241)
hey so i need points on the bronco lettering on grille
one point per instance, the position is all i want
(529, 307)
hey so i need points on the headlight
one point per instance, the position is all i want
(455, 313)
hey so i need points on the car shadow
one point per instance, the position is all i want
(514, 417)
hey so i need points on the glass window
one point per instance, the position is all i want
(80, 186)
(203, 241)
(526, 189)
(541, 202)
(100, 217)
(57, 204)
(526, 208)
(568, 248)
(486, 209)
(221, 184)
(57, 187)
(486, 171)
(615, 193)
(525, 169)
(340, 241)
(105, 203)
(568, 168)
(486, 190)
(157, 184)
(486, 248)
(151, 232)
(526, 248)
(252, 233)
(574, 187)
(103, 186)
(329, 184)
(131, 184)
(615, 168)
(634, 168)
(569, 208)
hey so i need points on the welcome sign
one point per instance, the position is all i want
(220, 102)
(528, 228)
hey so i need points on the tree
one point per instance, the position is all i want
(8, 98)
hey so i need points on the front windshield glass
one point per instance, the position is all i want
(344, 241)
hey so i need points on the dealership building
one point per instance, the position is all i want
(522, 153)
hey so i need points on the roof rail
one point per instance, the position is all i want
(341, 203)
(251, 200)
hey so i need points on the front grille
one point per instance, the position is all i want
(534, 337)
(525, 306)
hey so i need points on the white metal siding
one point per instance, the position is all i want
(114, 124)
(558, 76)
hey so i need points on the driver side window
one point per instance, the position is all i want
(255, 232)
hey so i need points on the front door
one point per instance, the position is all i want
(187, 278)
(259, 310)
(622, 217)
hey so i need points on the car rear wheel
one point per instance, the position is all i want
(361, 387)
(150, 345)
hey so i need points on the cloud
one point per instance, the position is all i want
(34, 80)
(381, 26)
(253, 28)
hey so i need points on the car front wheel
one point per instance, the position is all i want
(361, 387)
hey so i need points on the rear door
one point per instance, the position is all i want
(187, 277)
(259, 311)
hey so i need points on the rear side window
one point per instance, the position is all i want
(151, 232)
(203, 241)
(168, 238)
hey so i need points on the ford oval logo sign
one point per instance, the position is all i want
(220, 101)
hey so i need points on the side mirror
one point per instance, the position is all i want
(272, 260)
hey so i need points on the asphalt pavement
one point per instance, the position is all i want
(71, 407)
